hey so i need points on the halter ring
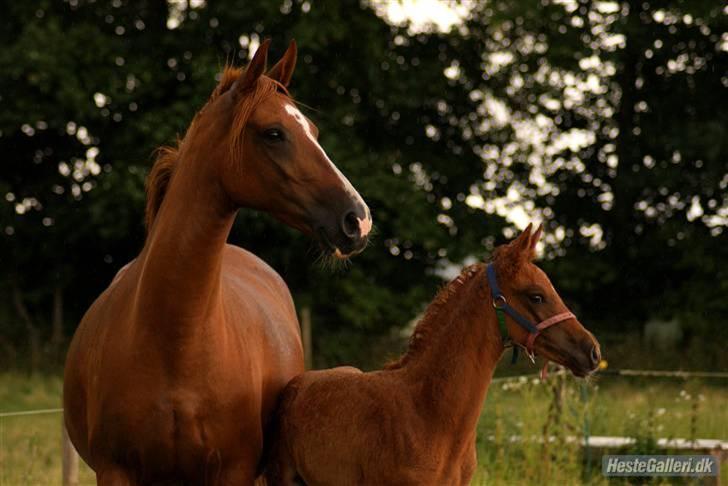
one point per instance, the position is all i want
(499, 301)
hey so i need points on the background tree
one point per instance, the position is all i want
(599, 117)
(615, 136)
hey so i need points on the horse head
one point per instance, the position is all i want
(270, 159)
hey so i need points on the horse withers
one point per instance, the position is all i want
(175, 369)
(414, 422)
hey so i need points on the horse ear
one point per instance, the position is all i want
(255, 69)
(283, 70)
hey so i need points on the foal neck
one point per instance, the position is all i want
(453, 368)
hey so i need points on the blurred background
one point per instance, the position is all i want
(458, 122)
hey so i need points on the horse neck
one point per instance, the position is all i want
(181, 262)
(452, 372)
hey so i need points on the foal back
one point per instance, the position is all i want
(344, 427)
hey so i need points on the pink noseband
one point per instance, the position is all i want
(546, 324)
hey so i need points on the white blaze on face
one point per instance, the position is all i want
(365, 225)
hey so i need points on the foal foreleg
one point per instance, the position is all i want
(280, 474)
(280, 470)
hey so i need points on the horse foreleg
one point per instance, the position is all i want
(115, 476)
(241, 474)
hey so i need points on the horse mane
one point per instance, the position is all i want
(432, 317)
(166, 156)
(158, 181)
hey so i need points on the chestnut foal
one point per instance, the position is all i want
(414, 422)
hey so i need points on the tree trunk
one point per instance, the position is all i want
(30, 328)
(57, 336)
(627, 143)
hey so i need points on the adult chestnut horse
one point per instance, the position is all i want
(414, 423)
(174, 370)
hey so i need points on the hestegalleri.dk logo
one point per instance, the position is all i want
(659, 465)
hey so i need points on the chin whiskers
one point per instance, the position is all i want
(328, 262)
(591, 378)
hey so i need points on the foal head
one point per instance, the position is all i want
(530, 292)
(269, 157)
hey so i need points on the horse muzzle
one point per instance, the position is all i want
(347, 234)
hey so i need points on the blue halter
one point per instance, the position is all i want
(502, 308)
(500, 302)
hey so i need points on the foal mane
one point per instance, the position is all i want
(167, 155)
(434, 313)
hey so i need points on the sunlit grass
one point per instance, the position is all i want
(30, 446)
(611, 406)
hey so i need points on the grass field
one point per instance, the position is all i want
(562, 407)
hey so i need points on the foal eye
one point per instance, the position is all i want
(536, 298)
(273, 135)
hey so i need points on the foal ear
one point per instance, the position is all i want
(520, 248)
(283, 70)
(512, 256)
(255, 69)
(534, 241)
(523, 242)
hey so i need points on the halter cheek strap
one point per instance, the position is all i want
(500, 302)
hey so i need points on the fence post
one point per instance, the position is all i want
(70, 458)
(587, 431)
(306, 337)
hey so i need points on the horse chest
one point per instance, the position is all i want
(176, 433)
(175, 403)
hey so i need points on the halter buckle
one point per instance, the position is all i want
(531, 356)
(499, 301)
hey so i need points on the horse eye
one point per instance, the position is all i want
(536, 298)
(273, 135)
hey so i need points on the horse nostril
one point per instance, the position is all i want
(350, 225)
(595, 356)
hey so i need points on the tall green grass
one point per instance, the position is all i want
(30, 446)
(518, 414)
(526, 431)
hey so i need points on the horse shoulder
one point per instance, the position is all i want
(259, 308)
(121, 273)
(242, 266)
(104, 313)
